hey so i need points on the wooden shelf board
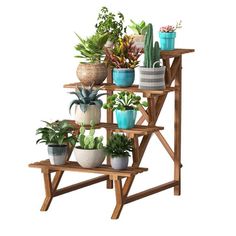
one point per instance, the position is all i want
(74, 166)
(175, 53)
(138, 129)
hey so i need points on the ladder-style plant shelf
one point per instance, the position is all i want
(156, 99)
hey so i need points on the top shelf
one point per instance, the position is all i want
(175, 53)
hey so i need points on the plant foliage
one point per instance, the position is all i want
(124, 54)
(91, 48)
(119, 145)
(138, 28)
(124, 101)
(85, 97)
(108, 22)
(57, 132)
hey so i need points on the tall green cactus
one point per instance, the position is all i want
(151, 54)
(89, 141)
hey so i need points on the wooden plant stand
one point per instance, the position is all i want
(156, 101)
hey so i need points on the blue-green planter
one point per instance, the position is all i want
(126, 119)
(167, 40)
(123, 77)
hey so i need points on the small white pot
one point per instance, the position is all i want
(93, 113)
(139, 41)
(119, 163)
(89, 158)
(109, 44)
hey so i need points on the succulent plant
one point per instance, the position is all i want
(171, 28)
(111, 24)
(57, 132)
(119, 145)
(140, 28)
(91, 48)
(151, 54)
(85, 97)
(124, 54)
(124, 101)
(89, 141)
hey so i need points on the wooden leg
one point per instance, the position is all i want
(119, 199)
(48, 190)
(177, 135)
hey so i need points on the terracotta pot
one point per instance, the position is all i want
(89, 73)
(93, 113)
(89, 158)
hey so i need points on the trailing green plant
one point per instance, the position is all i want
(86, 96)
(124, 54)
(89, 141)
(124, 101)
(108, 22)
(57, 132)
(91, 48)
(138, 28)
(151, 53)
(119, 145)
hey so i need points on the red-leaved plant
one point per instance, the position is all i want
(124, 54)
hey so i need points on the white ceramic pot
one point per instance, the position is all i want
(89, 158)
(119, 163)
(139, 41)
(93, 113)
(109, 44)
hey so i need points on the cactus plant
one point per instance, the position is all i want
(151, 54)
(89, 141)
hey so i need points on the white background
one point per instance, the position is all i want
(37, 57)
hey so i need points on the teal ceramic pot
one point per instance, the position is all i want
(123, 77)
(167, 40)
(126, 119)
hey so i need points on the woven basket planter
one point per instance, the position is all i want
(152, 78)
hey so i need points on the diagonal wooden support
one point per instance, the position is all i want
(48, 189)
(55, 182)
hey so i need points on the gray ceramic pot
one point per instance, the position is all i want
(119, 163)
(57, 154)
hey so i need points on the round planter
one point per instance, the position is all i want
(57, 154)
(109, 44)
(167, 40)
(91, 73)
(152, 78)
(89, 158)
(139, 41)
(93, 113)
(123, 77)
(119, 163)
(126, 119)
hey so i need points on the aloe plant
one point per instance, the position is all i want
(138, 28)
(91, 48)
(85, 97)
(89, 141)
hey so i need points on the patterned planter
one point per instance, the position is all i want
(123, 77)
(91, 73)
(167, 40)
(57, 154)
(152, 78)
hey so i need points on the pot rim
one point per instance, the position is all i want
(57, 145)
(129, 69)
(79, 148)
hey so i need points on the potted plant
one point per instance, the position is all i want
(139, 30)
(167, 36)
(91, 50)
(123, 58)
(118, 147)
(90, 153)
(152, 74)
(88, 105)
(111, 24)
(126, 105)
(57, 135)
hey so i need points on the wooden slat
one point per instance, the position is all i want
(175, 53)
(83, 184)
(74, 166)
(151, 191)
